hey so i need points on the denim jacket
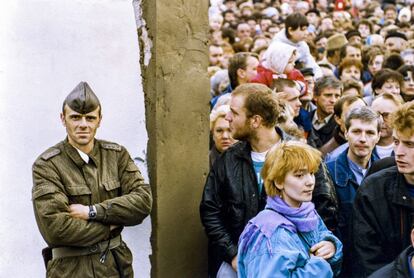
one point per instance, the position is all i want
(346, 187)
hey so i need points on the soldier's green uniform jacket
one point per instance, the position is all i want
(112, 182)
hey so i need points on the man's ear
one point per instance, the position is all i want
(256, 121)
(346, 134)
(62, 119)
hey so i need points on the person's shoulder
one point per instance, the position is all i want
(50, 153)
(110, 146)
(379, 181)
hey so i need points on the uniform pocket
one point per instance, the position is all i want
(112, 188)
(79, 194)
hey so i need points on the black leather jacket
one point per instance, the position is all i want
(231, 198)
(382, 217)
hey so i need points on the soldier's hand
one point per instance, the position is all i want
(79, 211)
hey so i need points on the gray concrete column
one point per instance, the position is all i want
(174, 60)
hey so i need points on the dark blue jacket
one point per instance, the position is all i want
(346, 187)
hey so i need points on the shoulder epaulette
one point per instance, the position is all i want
(111, 146)
(50, 154)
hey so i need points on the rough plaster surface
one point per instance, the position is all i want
(46, 48)
(176, 95)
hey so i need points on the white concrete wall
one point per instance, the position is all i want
(46, 48)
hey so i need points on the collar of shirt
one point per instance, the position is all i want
(358, 171)
(318, 124)
(83, 155)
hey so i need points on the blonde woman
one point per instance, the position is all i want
(288, 238)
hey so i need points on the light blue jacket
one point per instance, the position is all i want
(286, 254)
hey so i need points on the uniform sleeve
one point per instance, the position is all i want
(212, 213)
(285, 261)
(135, 202)
(51, 208)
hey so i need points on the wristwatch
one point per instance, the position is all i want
(92, 212)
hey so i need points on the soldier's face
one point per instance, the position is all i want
(81, 128)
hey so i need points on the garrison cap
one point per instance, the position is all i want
(82, 99)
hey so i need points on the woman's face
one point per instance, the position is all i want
(351, 72)
(376, 64)
(222, 135)
(390, 86)
(297, 187)
(409, 83)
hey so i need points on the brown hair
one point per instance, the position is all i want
(259, 100)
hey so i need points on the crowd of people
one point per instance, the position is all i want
(312, 139)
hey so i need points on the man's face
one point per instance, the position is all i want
(313, 19)
(216, 55)
(404, 153)
(390, 86)
(237, 118)
(81, 128)
(355, 40)
(264, 24)
(395, 44)
(298, 34)
(385, 108)
(353, 52)
(326, 24)
(390, 15)
(364, 30)
(291, 95)
(243, 31)
(376, 64)
(326, 100)
(222, 135)
(351, 72)
(251, 68)
(362, 137)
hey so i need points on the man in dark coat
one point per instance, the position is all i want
(401, 267)
(384, 205)
(233, 193)
(84, 192)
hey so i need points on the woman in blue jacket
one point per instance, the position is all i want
(288, 238)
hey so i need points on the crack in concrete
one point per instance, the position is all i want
(145, 41)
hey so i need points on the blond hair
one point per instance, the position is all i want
(217, 113)
(286, 158)
(403, 119)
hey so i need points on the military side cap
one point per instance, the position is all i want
(82, 99)
(336, 41)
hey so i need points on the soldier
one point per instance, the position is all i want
(84, 192)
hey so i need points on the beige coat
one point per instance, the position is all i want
(112, 183)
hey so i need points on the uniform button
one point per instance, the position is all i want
(404, 198)
(254, 195)
(93, 248)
